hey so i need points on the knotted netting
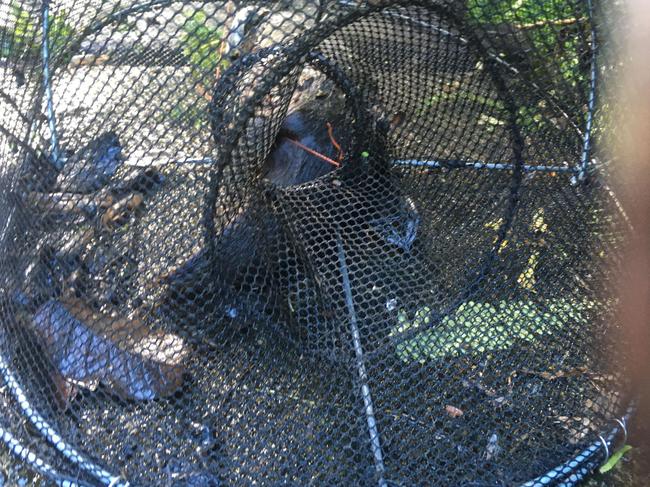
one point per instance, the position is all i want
(307, 243)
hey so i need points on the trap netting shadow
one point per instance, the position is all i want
(305, 243)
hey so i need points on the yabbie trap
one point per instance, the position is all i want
(306, 243)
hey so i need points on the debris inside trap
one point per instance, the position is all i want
(92, 166)
(125, 354)
(453, 411)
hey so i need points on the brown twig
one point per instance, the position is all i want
(543, 23)
(575, 372)
(12, 103)
(557, 23)
(88, 60)
(69, 202)
(314, 153)
(337, 146)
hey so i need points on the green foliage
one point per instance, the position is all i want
(190, 114)
(482, 327)
(202, 45)
(466, 96)
(25, 40)
(544, 36)
(520, 11)
(566, 58)
(614, 459)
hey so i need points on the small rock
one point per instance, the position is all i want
(453, 411)
(391, 304)
(492, 449)
(232, 312)
(92, 166)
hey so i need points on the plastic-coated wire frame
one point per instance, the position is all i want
(591, 106)
(375, 440)
(575, 470)
(50, 435)
(36, 463)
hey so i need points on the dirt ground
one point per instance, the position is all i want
(626, 474)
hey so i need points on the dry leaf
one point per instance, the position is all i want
(453, 411)
(578, 371)
(88, 60)
(605, 403)
(577, 427)
(124, 354)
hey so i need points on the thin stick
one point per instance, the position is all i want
(375, 443)
(555, 23)
(12, 103)
(314, 153)
(337, 146)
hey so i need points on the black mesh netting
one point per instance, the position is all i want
(303, 243)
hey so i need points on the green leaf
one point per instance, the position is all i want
(484, 327)
(614, 459)
(26, 38)
(201, 44)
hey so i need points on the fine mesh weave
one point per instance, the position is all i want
(307, 243)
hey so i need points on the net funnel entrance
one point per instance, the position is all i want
(304, 243)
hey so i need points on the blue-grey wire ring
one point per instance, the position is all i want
(623, 427)
(606, 448)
